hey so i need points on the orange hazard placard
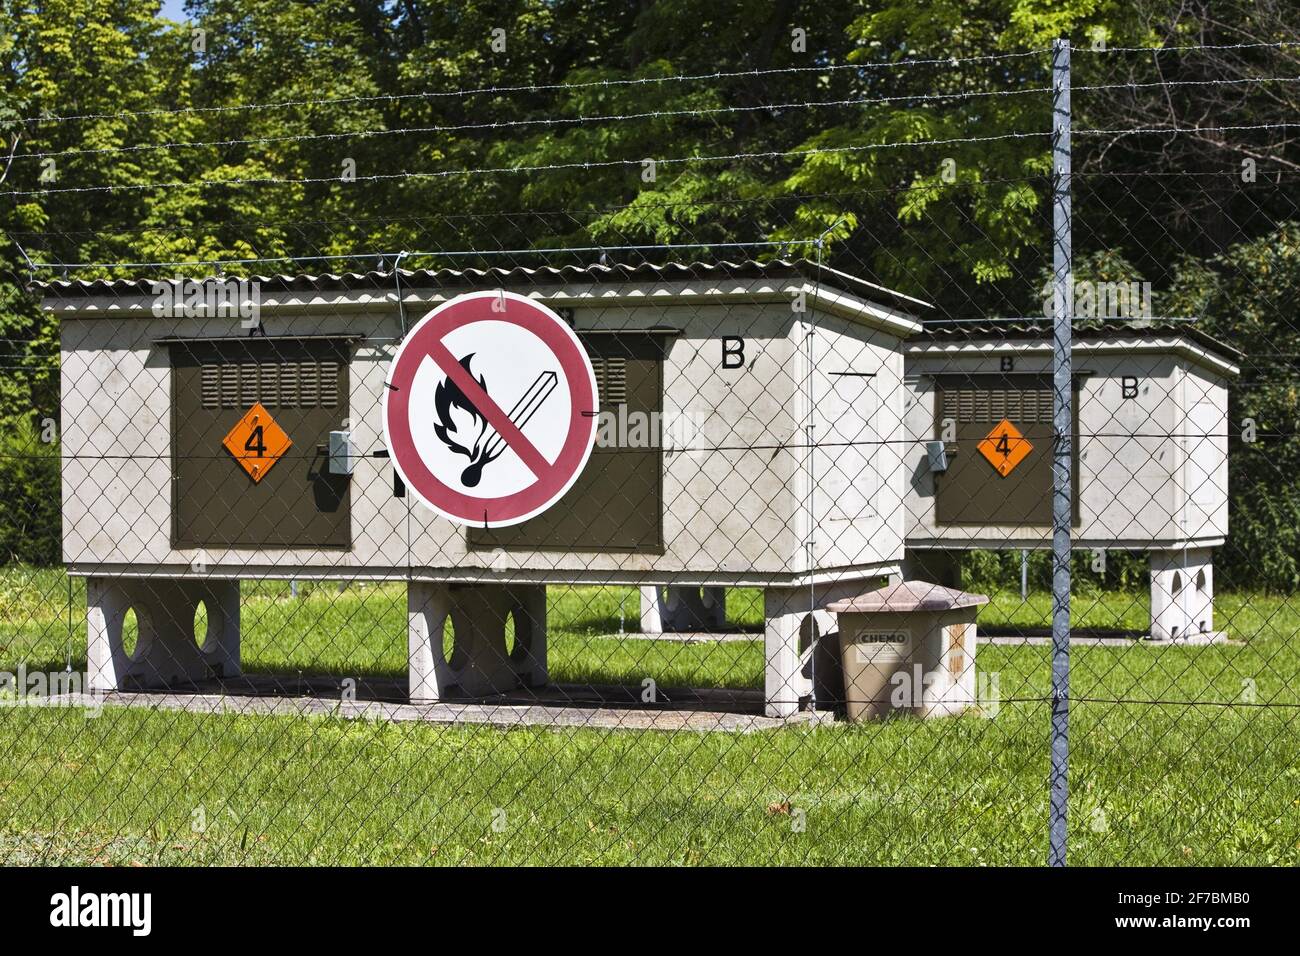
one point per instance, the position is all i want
(1005, 447)
(257, 442)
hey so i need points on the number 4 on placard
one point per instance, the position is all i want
(256, 443)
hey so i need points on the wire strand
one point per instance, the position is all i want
(514, 124)
(1183, 129)
(542, 87)
(514, 170)
(1188, 49)
(1163, 84)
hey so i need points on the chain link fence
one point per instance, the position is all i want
(791, 598)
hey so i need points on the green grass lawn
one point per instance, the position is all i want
(1192, 768)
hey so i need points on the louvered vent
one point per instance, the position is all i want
(289, 385)
(308, 384)
(998, 404)
(1015, 406)
(211, 386)
(977, 405)
(966, 405)
(229, 386)
(270, 385)
(329, 384)
(1045, 405)
(613, 382)
(248, 384)
(275, 384)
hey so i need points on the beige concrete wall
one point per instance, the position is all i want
(859, 483)
(734, 478)
(1204, 448)
(116, 443)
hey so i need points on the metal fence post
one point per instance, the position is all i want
(1062, 399)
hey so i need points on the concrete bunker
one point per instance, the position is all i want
(708, 375)
(1151, 439)
(775, 425)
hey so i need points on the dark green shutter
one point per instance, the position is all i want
(971, 492)
(298, 504)
(617, 502)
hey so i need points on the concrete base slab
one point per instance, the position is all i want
(558, 706)
(1107, 639)
(695, 637)
(1196, 639)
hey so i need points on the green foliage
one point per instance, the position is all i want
(962, 224)
(1246, 296)
(30, 524)
(986, 572)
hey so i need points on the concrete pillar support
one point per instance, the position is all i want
(652, 621)
(528, 604)
(682, 609)
(798, 628)
(1182, 595)
(167, 649)
(480, 663)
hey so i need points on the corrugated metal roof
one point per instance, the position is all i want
(1086, 329)
(935, 330)
(518, 275)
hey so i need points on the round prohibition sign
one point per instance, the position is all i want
(490, 409)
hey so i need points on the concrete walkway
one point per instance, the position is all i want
(556, 706)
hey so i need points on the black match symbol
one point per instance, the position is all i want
(469, 436)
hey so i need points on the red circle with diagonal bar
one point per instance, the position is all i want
(544, 346)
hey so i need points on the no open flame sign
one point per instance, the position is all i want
(490, 409)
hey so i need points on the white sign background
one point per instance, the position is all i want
(508, 358)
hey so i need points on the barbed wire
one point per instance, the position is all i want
(514, 124)
(1166, 84)
(1190, 48)
(627, 117)
(1232, 171)
(547, 87)
(1129, 131)
(550, 167)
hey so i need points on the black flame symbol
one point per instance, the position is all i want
(472, 446)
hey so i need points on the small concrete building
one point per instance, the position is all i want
(800, 431)
(772, 461)
(1151, 465)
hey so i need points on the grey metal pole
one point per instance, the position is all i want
(1062, 423)
(810, 438)
(1024, 574)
